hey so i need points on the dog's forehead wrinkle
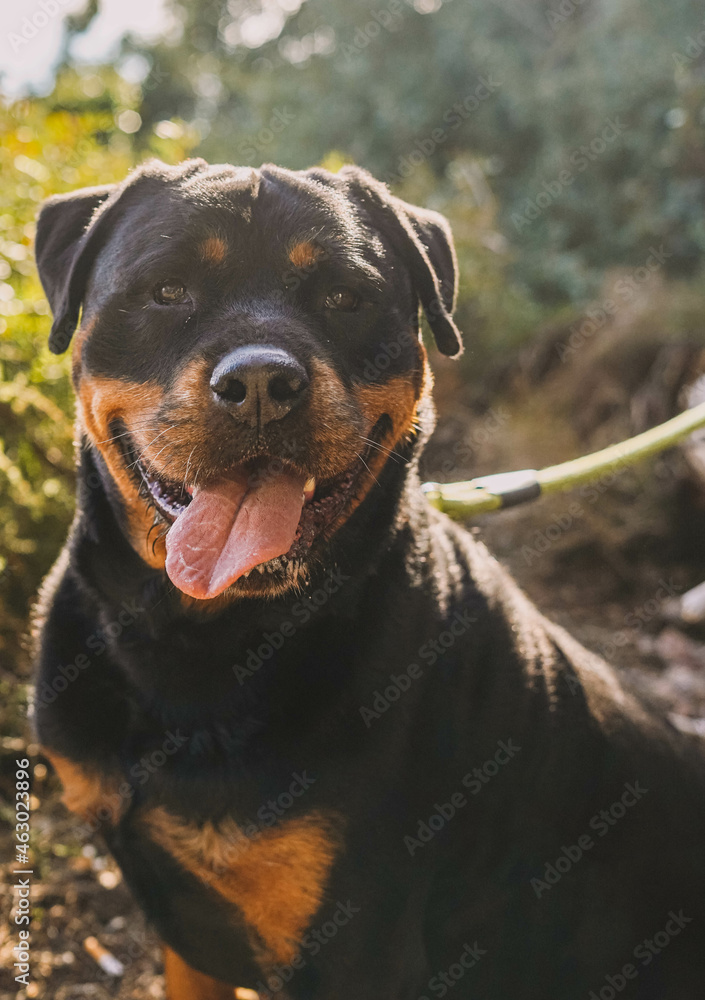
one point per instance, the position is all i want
(252, 213)
(303, 195)
(220, 182)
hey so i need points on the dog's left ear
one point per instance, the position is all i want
(423, 239)
(72, 228)
(62, 226)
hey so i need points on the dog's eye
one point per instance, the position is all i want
(170, 293)
(343, 299)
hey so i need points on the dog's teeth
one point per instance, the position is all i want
(309, 487)
(245, 575)
(260, 568)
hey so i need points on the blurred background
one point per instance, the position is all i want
(564, 140)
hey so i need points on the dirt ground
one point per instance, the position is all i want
(77, 894)
(612, 569)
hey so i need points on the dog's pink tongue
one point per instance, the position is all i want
(231, 527)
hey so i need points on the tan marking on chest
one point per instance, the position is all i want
(90, 794)
(276, 879)
(185, 983)
(213, 250)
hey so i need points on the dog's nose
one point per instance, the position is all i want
(259, 383)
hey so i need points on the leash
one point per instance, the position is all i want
(509, 489)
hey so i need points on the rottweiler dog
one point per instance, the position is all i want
(336, 752)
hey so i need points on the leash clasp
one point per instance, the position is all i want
(512, 487)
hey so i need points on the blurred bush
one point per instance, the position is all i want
(587, 119)
(69, 140)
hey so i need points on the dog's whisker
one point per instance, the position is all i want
(188, 463)
(115, 437)
(382, 448)
(378, 444)
(198, 472)
(150, 464)
(368, 468)
(146, 447)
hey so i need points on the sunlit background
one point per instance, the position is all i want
(564, 140)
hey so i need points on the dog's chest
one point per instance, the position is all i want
(275, 878)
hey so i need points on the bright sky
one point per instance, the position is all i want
(31, 33)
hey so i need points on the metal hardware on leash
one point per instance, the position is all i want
(509, 489)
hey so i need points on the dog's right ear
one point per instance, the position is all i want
(72, 228)
(62, 230)
(424, 241)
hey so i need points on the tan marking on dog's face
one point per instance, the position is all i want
(193, 440)
(100, 401)
(185, 983)
(191, 389)
(304, 254)
(335, 423)
(276, 879)
(213, 250)
(399, 399)
(90, 794)
(80, 338)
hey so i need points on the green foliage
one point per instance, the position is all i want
(65, 142)
(377, 82)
